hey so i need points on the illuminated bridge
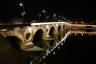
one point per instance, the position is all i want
(28, 38)
(42, 36)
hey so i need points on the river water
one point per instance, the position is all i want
(76, 49)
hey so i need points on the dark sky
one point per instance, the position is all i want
(71, 8)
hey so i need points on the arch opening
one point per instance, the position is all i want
(38, 38)
(59, 32)
(15, 41)
(63, 26)
(51, 32)
(59, 28)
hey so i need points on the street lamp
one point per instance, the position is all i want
(44, 14)
(22, 12)
(54, 17)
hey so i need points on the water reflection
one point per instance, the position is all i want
(49, 45)
(75, 49)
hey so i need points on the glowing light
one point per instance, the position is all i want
(48, 51)
(23, 13)
(49, 23)
(21, 4)
(43, 57)
(47, 26)
(51, 50)
(54, 15)
(54, 53)
(29, 29)
(39, 15)
(62, 44)
(58, 47)
(43, 11)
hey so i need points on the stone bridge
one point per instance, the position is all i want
(29, 36)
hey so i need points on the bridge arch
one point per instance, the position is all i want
(16, 39)
(64, 26)
(38, 38)
(59, 28)
(52, 31)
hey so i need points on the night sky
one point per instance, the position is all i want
(67, 8)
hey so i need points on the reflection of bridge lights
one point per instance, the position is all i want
(49, 51)
(30, 62)
(58, 47)
(53, 53)
(61, 44)
(43, 57)
(40, 60)
(82, 32)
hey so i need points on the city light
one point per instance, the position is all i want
(21, 4)
(43, 11)
(54, 15)
(39, 15)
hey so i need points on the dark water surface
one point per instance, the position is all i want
(10, 55)
(76, 49)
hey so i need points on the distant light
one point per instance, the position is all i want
(39, 15)
(59, 16)
(43, 57)
(54, 15)
(43, 11)
(23, 13)
(47, 17)
(21, 4)
(54, 53)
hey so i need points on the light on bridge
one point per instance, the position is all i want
(29, 29)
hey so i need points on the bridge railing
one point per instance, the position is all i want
(46, 23)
